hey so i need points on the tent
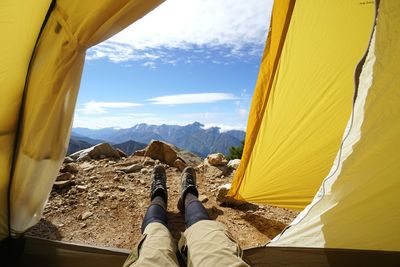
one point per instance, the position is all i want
(322, 134)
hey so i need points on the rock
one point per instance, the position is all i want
(68, 160)
(62, 184)
(99, 151)
(234, 164)
(64, 177)
(203, 198)
(91, 178)
(168, 154)
(121, 188)
(70, 167)
(131, 168)
(121, 153)
(179, 164)
(222, 191)
(215, 171)
(101, 195)
(149, 162)
(85, 215)
(144, 171)
(216, 159)
(224, 199)
(81, 187)
(139, 153)
(116, 179)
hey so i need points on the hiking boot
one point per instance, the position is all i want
(159, 183)
(188, 185)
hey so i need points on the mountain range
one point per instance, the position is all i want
(192, 137)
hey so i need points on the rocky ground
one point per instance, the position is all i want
(103, 201)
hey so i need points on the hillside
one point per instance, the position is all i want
(193, 137)
(102, 202)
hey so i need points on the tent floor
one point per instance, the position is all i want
(42, 252)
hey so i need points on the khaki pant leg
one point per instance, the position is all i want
(210, 244)
(156, 248)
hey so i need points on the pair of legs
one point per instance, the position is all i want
(204, 243)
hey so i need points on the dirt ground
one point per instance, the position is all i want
(104, 206)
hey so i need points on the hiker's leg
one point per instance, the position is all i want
(205, 242)
(208, 243)
(157, 247)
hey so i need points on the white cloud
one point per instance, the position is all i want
(195, 24)
(150, 64)
(94, 107)
(192, 98)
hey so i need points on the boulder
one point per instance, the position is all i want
(217, 159)
(168, 154)
(234, 164)
(99, 151)
(70, 167)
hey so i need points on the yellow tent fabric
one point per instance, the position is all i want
(51, 92)
(308, 104)
(19, 30)
(358, 204)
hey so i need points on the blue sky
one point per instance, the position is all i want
(186, 61)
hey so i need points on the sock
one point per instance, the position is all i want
(194, 210)
(156, 212)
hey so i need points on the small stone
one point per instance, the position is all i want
(141, 181)
(203, 198)
(83, 225)
(148, 162)
(91, 178)
(64, 177)
(116, 179)
(101, 195)
(180, 164)
(121, 188)
(131, 168)
(68, 160)
(86, 215)
(81, 187)
(113, 206)
(70, 167)
(144, 171)
(222, 191)
(62, 184)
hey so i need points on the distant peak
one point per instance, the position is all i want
(196, 124)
